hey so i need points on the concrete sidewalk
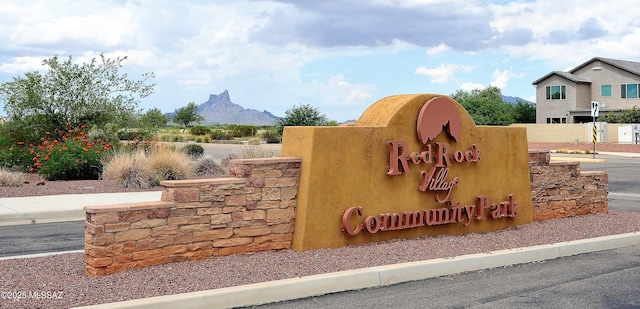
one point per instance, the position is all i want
(69, 207)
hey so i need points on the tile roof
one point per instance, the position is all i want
(629, 66)
(569, 76)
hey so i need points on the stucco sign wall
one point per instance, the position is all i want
(412, 165)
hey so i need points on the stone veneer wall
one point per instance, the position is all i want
(560, 189)
(254, 210)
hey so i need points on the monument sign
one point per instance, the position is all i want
(412, 165)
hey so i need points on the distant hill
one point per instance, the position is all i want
(514, 100)
(220, 109)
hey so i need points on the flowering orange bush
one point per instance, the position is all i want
(70, 155)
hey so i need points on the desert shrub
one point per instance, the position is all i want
(107, 135)
(135, 146)
(10, 178)
(203, 139)
(270, 136)
(193, 150)
(199, 130)
(254, 141)
(231, 142)
(132, 135)
(128, 169)
(220, 135)
(238, 130)
(168, 164)
(72, 154)
(70, 160)
(18, 157)
(224, 163)
(255, 152)
(170, 137)
(207, 166)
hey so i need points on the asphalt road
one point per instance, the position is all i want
(624, 180)
(220, 151)
(39, 238)
(606, 279)
(623, 172)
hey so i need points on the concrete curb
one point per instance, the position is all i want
(37, 255)
(295, 288)
(42, 217)
(574, 159)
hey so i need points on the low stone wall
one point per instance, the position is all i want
(560, 189)
(254, 210)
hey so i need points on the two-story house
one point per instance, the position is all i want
(565, 97)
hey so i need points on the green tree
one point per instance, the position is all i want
(486, 106)
(625, 116)
(70, 95)
(524, 112)
(187, 116)
(303, 115)
(332, 123)
(153, 119)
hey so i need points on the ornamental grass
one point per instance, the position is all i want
(167, 163)
(10, 178)
(128, 169)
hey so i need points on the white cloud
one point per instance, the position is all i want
(267, 52)
(340, 92)
(335, 23)
(438, 50)
(22, 64)
(339, 98)
(468, 86)
(566, 34)
(501, 78)
(60, 29)
(443, 72)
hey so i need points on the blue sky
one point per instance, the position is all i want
(338, 56)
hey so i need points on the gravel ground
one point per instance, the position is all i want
(36, 186)
(60, 281)
(64, 274)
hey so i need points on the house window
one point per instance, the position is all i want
(605, 90)
(557, 120)
(629, 91)
(556, 92)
